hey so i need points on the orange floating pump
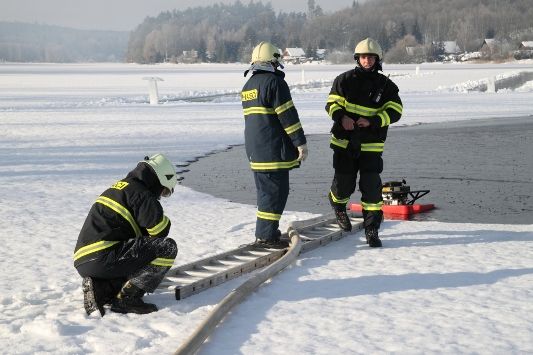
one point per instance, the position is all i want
(399, 200)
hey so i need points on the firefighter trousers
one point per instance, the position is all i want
(143, 261)
(272, 193)
(369, 165)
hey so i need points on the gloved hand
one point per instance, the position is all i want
(302, 152)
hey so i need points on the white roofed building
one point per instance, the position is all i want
(526, 45)
(294, 55)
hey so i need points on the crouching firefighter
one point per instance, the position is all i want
(122, 250)
(362, 104)
(274, 139)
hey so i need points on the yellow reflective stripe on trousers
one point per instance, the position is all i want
(269, 216)
(94, 247)
(282, 108)
(274, 165)
(293, 128)
(338, 200)
(159, 227)
(343, 143)
(162, 262)
(372, 206)
(372, 147)
(259, 109)
(121, 210)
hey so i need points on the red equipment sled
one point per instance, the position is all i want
(399, 201)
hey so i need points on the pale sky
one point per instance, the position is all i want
(124, 15)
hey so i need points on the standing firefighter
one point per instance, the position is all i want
(274, 138)
(122, 250)
(362, 104)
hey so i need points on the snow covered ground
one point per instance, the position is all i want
(69, 131)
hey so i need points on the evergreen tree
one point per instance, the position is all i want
(416, 32)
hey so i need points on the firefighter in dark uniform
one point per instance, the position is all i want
(122, 250)
(274, 139)
(362, 104)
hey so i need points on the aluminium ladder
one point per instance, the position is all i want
(203, 274)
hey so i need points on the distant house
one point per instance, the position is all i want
(189, 56)
(495, 48)
(451, 47)
(525, 50)
(490, 46)
(294, 55)
(415, 51)
(526, 45)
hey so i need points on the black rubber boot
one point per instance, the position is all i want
(92, 298)
(272, 244)
(129, 300)
(372, 238)
(343, 220)
(340, 214)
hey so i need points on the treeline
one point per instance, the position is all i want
(227, 33)
(22, 42)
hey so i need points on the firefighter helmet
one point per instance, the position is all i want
(368, 46)
(165, 171)
(266, 52)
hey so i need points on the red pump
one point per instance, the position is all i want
(399, 201)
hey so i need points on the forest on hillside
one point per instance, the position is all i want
(228, 33)
(23, 42)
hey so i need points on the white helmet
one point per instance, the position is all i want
(266, 52)
(368, 46)
(165, 171)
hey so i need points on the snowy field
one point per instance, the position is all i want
(67, 132)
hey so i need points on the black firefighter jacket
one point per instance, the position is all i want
(371, 95)
(272, 126)
(128, 209)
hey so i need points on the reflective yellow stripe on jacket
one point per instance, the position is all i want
(274, 165)
(293, 128)
(282, 108)
(121, 210)
(159, 227)
(338, 101)
(372, 147)
(259, 110)
(393, 105)
(343, 143)
(93, 248)
(385, 119)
